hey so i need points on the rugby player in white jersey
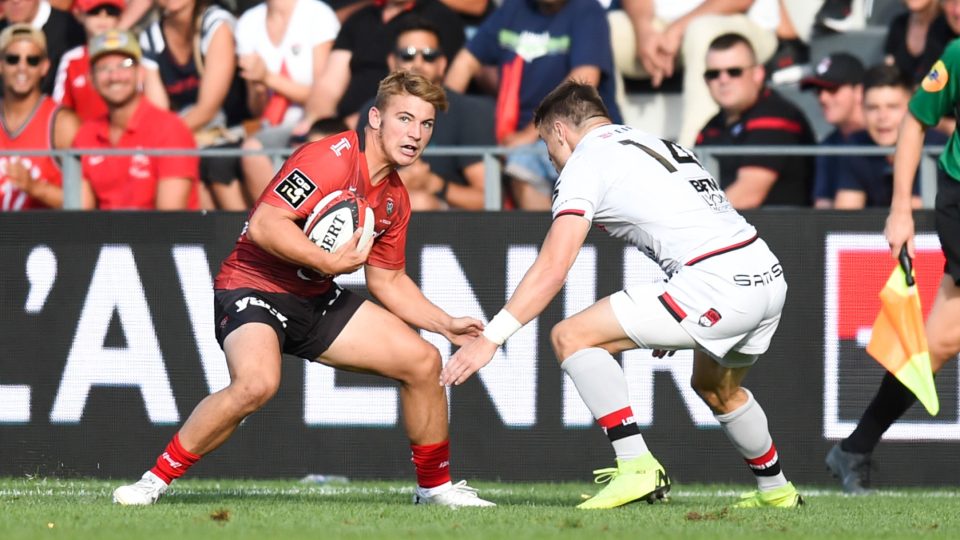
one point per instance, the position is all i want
(723, 296)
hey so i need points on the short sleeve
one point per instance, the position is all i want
(485, 45)
(938, 92)
(577, 193)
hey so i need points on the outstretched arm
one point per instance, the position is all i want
(537, 289)
(401, 296)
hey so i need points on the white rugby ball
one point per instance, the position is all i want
(336, 217)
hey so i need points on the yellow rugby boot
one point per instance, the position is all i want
(782, 497)
(641, 478)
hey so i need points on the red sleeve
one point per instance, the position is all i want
(390, 248)
(312, 171)
(178, 135)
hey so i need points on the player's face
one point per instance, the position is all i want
(733, 78)
(557, 148)
(24, 65)
(839, 104)
(418, 51)
(883, 110)
(116, 78)
(405, 127)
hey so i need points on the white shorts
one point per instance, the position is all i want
(728, 306)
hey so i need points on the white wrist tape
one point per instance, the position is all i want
(501, 327)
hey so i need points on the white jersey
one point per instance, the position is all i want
(312, 22)
(653, 194)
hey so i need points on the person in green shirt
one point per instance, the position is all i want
(937, 96)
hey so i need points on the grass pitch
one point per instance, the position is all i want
(288, 510)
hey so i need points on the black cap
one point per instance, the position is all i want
(834, 71)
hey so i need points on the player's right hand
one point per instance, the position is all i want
(347, 258)
(899, 232)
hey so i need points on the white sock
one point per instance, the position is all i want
(430, 492)
(746, 427)
(603, 388)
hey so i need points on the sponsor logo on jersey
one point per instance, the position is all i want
(936, 80)
(390, 206)
(295, 188)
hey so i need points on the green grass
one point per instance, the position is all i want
(287, 510)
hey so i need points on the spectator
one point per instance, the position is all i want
(72, 87)
(838, 82)
(191, 51)
(916, 38)
(359, 57)
(61, 29)
(283, 46)
(537, 45)
(868, 180)
(31, 121)
(441, 182)
(133, 182)
(668, 34)
(751, 114)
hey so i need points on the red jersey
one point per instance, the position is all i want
(73, 86)
(313, 171)
(130, 182)
(35, 134)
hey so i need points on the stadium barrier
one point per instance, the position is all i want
(107, 333)
(70, 162)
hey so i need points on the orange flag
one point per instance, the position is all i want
(899, 342)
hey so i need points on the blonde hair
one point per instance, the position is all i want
(401, 82)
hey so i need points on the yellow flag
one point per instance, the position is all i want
(899, 342)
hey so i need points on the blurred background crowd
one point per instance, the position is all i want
(274, 74)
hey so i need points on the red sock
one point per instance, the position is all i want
(174, 461)
(432, 462)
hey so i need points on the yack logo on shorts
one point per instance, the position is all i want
(295, 188)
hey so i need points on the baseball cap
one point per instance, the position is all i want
(86, 5)
(114, 41)
(22, 32)
(833, 71)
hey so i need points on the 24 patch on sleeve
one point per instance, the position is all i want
(295, 188)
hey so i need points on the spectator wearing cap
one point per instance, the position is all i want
(753, 115)
(72, 86)
(60, 28)
(867, 181)
(31, 121)
(838, 82)
(138, 181)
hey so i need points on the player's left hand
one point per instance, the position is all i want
(467, 361)
(463, 329)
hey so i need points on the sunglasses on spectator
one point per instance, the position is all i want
(733, 73)
(33, 60)
(407, 54)
(110, 10)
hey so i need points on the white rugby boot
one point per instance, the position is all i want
(144, 492)
(456, 495)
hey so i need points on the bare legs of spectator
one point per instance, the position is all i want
(257, 168)
(230, 196)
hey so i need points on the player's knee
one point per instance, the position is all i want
(425, 367)
(252, 394)
(714, 396)
(565, 340)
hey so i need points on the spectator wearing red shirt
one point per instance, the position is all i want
(29, 120)
(137, 182)
(73, 86)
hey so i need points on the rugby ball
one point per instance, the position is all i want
(336, 217)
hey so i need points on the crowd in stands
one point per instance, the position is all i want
(184, 74)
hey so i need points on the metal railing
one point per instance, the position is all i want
(493, 196)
